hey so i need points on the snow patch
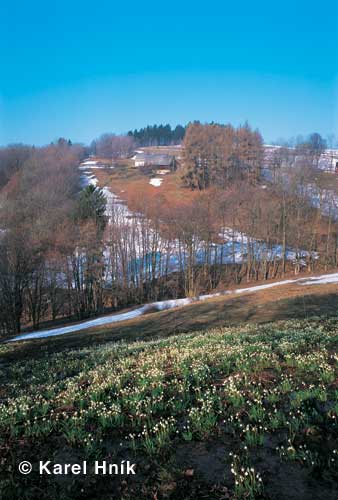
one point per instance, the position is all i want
(88, 163)
(321, 280)
(156, 182)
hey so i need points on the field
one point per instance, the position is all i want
(128, 182)
(234, 412)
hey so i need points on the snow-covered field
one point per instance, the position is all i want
(170, 304)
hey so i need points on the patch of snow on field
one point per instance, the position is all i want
(228, 233)
(263, 287)
(170, 304)
(90, 163)
(156, 182)
(94, 164)
(321, 280)
(92, 180)
(114, 318)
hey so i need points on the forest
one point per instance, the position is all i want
(158, 135)
(69, 251)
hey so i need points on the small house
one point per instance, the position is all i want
(155, 160)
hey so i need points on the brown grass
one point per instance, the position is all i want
(280, 303)
(130, 185)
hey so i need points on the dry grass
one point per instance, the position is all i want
(131, 185)
(280, 303)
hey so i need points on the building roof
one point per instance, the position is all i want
(154, 159)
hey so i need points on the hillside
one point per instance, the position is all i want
(299, 298)
(234, 412)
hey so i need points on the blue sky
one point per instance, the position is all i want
(78, 69)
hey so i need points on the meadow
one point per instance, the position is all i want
(237, 412)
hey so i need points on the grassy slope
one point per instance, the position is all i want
(178, 408)
(290, 301)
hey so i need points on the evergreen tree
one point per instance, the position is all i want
(158, 135)
(92, 205)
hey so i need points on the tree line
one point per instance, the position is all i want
(112, 146)
(158, 135)
(115, 146)
(216, 154)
